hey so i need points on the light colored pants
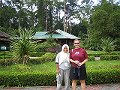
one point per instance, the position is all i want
(63, 74)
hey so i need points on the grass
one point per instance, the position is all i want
(99, 66)
(49, 67)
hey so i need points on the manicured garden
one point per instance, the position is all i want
(41, 71)
(31, 59)
(44, 74)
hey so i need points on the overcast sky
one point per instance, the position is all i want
(96, 1)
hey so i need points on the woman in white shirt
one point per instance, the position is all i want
(63, 67)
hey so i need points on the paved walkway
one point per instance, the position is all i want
(89, 87)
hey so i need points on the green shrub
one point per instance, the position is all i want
(91, 58)
(96, 53)
(107, 44)
(99, 53)
(44, 74)
(110, 57)
(28, 79)
(22, 47)
(101, 77)
(49, 79)
(5, 55)
(45, 58)
(43, 47)
(9, 61)
(36, 54)
(114, 53)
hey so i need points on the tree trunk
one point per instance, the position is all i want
(65, 21)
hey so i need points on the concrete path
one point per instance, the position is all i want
(89, 87)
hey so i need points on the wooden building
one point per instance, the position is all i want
(59, 36)
(4, 41)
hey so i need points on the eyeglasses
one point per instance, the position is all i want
(76, 43)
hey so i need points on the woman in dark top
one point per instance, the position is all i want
(78, 58)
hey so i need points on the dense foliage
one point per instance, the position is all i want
(44, 74)
(41, 57)
(48, 45)
(92, 23)
(22, 46)
(104, 27)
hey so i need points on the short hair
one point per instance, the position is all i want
(76, 40)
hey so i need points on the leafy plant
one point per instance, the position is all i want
(49, 43)
(107, 44)
(47, 57)
(23, 46)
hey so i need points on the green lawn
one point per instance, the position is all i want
(49, 67)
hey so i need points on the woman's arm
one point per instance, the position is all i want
(76, 61)
(81, 63)
(57, 63)
(57, 68)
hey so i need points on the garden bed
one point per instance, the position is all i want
(45, 74)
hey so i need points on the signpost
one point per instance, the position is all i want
(3, 48)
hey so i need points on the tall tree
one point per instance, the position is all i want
(104, 23)
(70, 9)
(7, 15)
(57, 9)
(41, 14)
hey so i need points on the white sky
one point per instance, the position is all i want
(95, 3)
(75, 20)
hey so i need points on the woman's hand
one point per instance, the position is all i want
(80, 64)
(57, 71)
(76, 62)
(57, 68)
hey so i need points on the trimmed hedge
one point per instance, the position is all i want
(49, 79)
(99, 53)
(95, 53)
(9, 61)
(45, 58)
(28, 79)
(5, 55)
(45, 74)
(101, 77)
(110, 57)
(105, 57)
(37, 54)
(115, 53)
(91, 58)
